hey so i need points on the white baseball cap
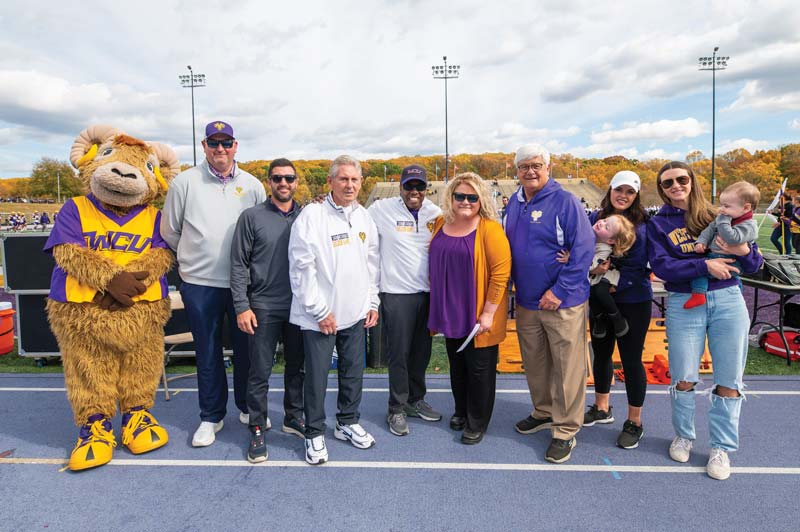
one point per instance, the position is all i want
(626, 177)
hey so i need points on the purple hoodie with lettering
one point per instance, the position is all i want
(670, 250)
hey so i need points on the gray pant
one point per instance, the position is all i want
(408, 346)
(350, 345)
(270, 329)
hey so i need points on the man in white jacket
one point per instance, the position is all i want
(333, 269)
(404, 224)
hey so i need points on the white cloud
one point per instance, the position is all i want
(748, 144)
(662, 130)
(755, 95)
(795, 124)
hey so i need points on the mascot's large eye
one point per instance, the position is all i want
(150, 166)
(107, 152)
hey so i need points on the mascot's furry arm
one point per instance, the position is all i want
(86, 266)
(156, 262)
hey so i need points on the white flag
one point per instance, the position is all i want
(778, 196)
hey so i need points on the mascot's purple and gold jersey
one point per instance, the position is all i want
(83, 221)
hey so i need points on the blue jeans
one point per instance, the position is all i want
(775, 238)
(205, 308)
(725, 321)
(700, 284)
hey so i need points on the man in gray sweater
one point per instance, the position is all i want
(199, 215)
(262, 297)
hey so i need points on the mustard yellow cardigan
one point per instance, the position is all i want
(492, 270)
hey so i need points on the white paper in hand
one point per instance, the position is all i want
(469, 338)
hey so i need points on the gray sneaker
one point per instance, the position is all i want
(559, 451)
(422, 410)
(397, 423)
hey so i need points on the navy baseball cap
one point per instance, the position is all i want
(413, 172)
(219, 127)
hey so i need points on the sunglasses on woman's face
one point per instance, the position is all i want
(460, 196)
(681, 179)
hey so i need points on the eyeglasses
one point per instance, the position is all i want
(227, 143)
(681, 179)
(419, 186)
(278, 178)
(460, 196)
(525, 167)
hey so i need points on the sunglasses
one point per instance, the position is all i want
(227, 144)
(460, 196)
(419, 186)
(278, 178)
(681, 179)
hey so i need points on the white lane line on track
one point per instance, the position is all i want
(174, 391)
(455, 466)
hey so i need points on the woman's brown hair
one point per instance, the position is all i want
(700, 212)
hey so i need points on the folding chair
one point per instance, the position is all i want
(172, 341)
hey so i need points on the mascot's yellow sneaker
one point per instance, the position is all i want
(95, 444)
(141, 432)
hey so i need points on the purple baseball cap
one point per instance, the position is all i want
(413, 172)
(218, 127)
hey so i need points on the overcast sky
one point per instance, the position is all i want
(314, 79)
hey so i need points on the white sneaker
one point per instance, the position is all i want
(244, 418)
(680, 449)
(316, 451)
(205, 433)
(719, 466)
(354, 433)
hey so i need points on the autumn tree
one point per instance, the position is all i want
(48, 174)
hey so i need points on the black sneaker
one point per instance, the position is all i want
(630, 435)
(422, 410)
(294, 426)
(458, 422)
(599, 327)
(595, 415)
(471, 438)
(530, 424)
(559, 451)
(621, 327)
(257, 452)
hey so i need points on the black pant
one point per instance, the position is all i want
(600, 299)
(473, 379)
(408, 346)
(630, 351)
(318, 347)
(270, 329)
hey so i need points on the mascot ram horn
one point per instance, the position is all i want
(108, 299)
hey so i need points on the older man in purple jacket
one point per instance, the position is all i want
(542, 219)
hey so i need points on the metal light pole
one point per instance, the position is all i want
(191, 81)
(58, 185)
(446, 72)
(713, 64)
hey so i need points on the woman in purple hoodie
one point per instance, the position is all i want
(671, 236)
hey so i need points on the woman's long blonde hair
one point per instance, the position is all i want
(487, 210)
(700, 212)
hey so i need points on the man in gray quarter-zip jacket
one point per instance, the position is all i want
(404, 225)
(199, 215)
(333, 269)
(262, 297)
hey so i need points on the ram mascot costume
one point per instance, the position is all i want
(108, 300)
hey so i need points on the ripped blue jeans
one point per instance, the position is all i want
(725, 321)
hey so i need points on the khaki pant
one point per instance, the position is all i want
(553, 345)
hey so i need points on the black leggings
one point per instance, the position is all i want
(630, 350)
